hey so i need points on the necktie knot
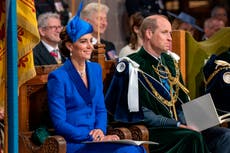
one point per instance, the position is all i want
(54, 53)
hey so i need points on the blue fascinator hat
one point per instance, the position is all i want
(77, 27)
(186, 18)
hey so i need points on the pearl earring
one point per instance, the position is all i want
(70, 54)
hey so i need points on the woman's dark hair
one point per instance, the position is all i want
(64, 38)
(136, 20)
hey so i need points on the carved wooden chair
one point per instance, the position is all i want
(33, 111)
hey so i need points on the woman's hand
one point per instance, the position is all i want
(97, 134)
(110, 138)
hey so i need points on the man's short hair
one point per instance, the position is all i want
(214, 10)
(93, 8)
(150, 22)
(42, 18)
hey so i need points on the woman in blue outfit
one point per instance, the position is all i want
(75, 95)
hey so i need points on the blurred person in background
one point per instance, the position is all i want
(135, 41)
(46, 52)
(211, 26)
(186, 22)
(220, 12)
(90, 13)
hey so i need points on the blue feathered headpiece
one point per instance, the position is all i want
(77, 27)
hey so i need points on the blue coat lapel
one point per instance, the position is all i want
(79, 84)
(91, 79)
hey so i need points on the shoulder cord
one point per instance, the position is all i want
(173, 82)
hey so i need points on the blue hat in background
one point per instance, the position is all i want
(187, 18)
(77, 27)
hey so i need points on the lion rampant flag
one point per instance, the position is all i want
(28, 37)
(2, 53)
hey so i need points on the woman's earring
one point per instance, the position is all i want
(70, 54)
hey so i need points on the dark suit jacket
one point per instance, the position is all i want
(218, 86)
(43, 57)
(109, 47)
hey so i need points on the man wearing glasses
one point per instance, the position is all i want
(47, 51)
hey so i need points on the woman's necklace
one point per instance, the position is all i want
(80, 67)
(81, 70)
(81, 73)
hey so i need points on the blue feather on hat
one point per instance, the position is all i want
(77, 27)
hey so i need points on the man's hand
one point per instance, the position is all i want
(187, 127)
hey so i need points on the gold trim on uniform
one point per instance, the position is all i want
(174, 83)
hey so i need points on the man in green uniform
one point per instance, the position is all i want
(217, 80)
(160, 93)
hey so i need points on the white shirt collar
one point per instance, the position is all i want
(48, 47)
